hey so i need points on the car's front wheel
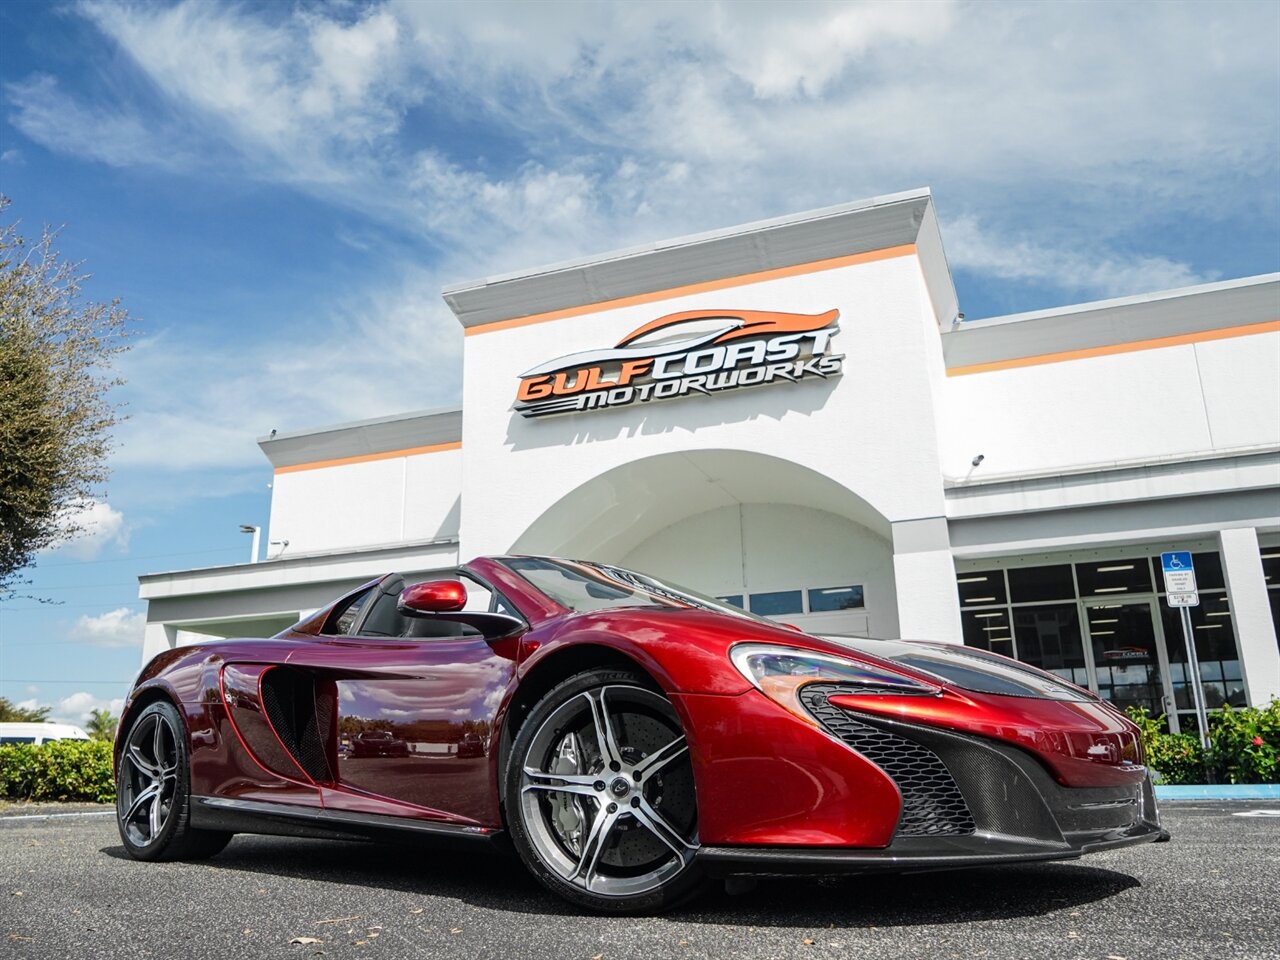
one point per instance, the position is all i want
(600, 795)
(153, 791)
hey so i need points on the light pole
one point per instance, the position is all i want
(257, 533)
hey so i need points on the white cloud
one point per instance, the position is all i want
(61, 122)
(97, 525)
(972, 247)
(289, 90)
(195, 405)
(76, 708)
(1054, 135)
(805, 55)
(115, 628)
(775, 106)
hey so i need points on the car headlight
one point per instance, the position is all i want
(779, 672)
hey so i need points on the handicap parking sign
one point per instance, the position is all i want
(1179, 577)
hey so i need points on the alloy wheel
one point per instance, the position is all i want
(148, 779)
(606, 792)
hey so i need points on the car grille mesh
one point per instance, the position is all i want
(290, 701)
(321, 730)
(932, 804)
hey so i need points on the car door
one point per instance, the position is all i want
(416, 703)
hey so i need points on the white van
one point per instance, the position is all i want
(45, 732)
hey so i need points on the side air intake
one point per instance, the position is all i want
(300, 718)
(932, 804)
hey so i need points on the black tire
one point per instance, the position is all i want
(153, 791)
(618, 833)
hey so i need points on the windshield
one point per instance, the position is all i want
(585, 587)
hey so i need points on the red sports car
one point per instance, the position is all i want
(630, 738)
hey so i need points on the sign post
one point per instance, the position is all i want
(1180, 587)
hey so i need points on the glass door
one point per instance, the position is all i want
(1128, 658)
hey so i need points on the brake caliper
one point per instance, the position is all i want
(566, 810)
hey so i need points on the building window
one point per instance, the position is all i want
(777, 604)
(823, 599)
(1113, 577)
(1035, 584)
(1106, 625)
(981, 588)
(785, 603)
(988, 630)
(1049, 638)
(1271, 575)
(1214, 635)
(1125, 655)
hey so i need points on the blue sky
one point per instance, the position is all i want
(279, 191)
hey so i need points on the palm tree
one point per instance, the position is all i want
(102, 725)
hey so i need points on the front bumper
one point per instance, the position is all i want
(967, 801)
(904, 855)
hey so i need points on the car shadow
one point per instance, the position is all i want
(909, 900)
(490, 878)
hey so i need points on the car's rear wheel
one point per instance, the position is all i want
(600, 796)
(153, 791)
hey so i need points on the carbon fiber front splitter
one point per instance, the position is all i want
(914, 854)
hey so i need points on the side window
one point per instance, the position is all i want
(343, 620)
(483, 600)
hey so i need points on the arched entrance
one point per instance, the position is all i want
(786, 540)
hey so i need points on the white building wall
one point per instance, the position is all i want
(355, 505)
(1240, 380)
(1143, 405)
(872, 430)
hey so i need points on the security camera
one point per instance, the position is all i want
(977, 460)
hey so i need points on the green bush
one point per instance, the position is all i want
(62, 770)
(1244, 747)
(1246, 743)
(1175, 757)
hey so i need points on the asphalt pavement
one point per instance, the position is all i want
(67, 891)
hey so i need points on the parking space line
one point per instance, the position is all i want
(60, 816)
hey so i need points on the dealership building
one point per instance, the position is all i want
(794, 415)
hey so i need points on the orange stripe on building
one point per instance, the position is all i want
(707, 286)
(1202, 336)
(370, 457)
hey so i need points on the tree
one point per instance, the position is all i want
(13, 714)
(56, 352)
(102, 725)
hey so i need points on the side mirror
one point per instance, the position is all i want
(432, 597)
(445, 599)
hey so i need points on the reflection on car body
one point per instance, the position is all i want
(378, 743)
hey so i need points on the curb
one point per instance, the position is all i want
(1222, 791)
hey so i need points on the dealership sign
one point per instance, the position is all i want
(693, 353)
